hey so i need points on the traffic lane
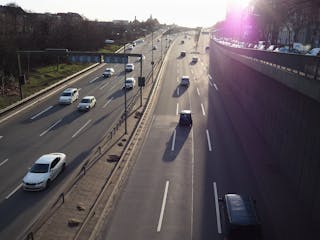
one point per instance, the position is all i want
(65, 117)
(21, 208)
(43, 114)
(230, 169)
(172, 91)
(146, 186)
(68, 118)
(74, 158)
(72, 125)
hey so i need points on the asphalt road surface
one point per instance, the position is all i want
(49, 127)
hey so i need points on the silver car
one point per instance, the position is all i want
(69, 95)
(87, 103)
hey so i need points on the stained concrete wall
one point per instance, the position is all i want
(287, 119)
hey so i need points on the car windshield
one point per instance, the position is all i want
(129, 81)
(85, 100)
(66, 94)
(39, 168)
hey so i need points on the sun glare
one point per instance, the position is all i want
(238, 3)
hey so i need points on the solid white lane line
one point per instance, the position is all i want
(198, 91)
(107, 102)
(47, 95)
(93, 80)
(217, 207)
(42, 112)
(178, 91)
(208, 139)
(14, 191)
(211, 84)
(46, 131)
(209, 76)
(192, 182)
(164, 200)
(113, 87)
(4, 161)
(74, 135)
(215, 86)
(177, 109)
(173, 140)
(203, 112)
(104, 85)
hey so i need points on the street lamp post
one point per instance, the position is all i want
(152, 53)
(125, 94)
(161, 46)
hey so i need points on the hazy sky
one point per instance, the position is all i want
(192, 13)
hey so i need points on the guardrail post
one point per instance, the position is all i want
(30, 236)
(62, 196)
(316, 72)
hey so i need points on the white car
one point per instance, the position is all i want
(87, 103)
(129, 67)
(69, 95)
(130, 83)
(314, 52)
(43, 171)
(129, 47)
(108, 72)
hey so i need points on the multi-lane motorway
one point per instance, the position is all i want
(174, 188)
(47, 127)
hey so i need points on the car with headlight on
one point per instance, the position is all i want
(87, 103)
(69, 95)
(44, 171)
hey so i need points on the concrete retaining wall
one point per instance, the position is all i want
(287, 120)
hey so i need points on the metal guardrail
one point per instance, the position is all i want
(93, 157)
(45, 90)
(301, 64)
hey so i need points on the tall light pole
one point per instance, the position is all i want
(152, 53)
(125, 94)
(161, 45)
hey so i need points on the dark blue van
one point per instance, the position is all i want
(241, 217)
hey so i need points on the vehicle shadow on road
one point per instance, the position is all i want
(53, 110)
(118, 93)
(179, 139)
(68, 119)
(180, 90)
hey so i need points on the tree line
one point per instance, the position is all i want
(21, 30)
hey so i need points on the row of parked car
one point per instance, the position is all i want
(297, 48)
